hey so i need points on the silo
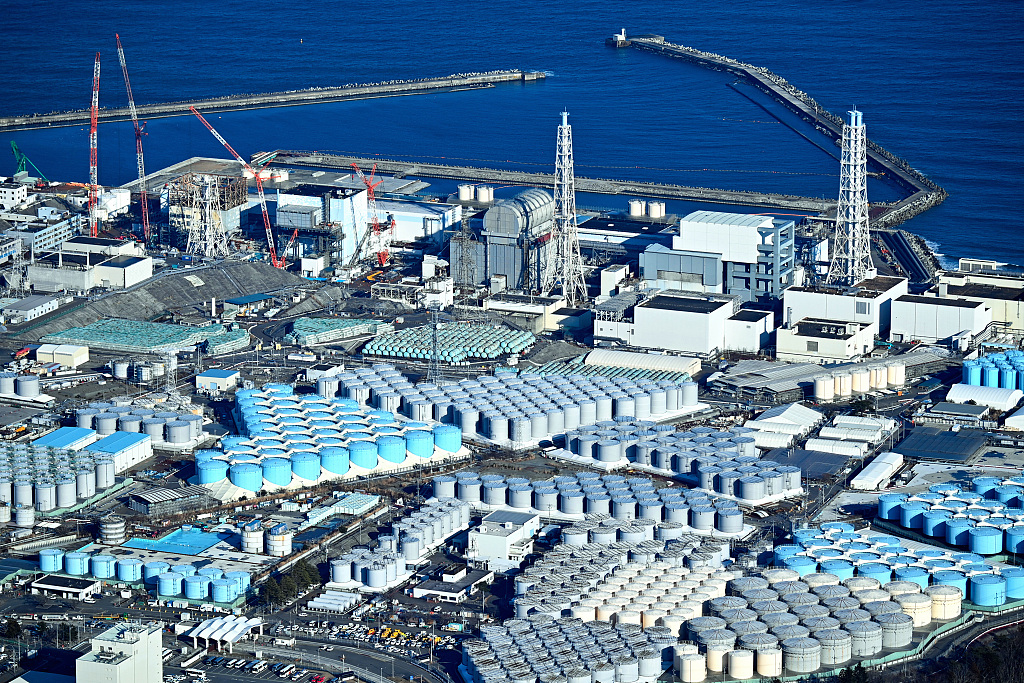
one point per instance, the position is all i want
(688, 394)
(836, 646)
(105, 423)
(897, 629)
(987, 590)
(801, 655)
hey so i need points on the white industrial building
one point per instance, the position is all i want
(223, 632)
(81, 272)
(124, 653)
(1002, 293)
(38, 235)
(217, 380)
(1015, 421)
(84, 244)
(668, 321)
(503, 539)
(126, 449)
(877, 472)
(30, 308)
(932, 319)
(777, 427)
(869, 302)
(993, 397)
(749, 330)
(817, 340)
(418, 221)
(12, 194)
(68, 355)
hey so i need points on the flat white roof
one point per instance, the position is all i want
(723, 218)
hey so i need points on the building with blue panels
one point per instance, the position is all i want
(126, 449)
(69, 438)
(217, 380)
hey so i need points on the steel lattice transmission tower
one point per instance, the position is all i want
(565, 266)
(851, 257)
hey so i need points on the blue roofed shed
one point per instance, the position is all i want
(72, 438)
(217, 380)
(126, 449)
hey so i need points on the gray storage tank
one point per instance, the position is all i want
(897, 629)
(801, 655)
(865, 638)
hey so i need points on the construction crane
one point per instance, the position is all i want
(381, 233)
(94, 113)
(277, 262)
(24, 162)
(138, 141)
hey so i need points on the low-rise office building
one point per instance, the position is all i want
(937, 319)
(817, 340)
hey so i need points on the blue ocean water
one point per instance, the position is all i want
(939, 84)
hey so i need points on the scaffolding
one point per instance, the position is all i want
(196, 204)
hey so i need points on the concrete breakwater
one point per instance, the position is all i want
(596, 185)
(924, 193)
(288, 98)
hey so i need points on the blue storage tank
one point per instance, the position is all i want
(935, 522)
(948, 577)
(129, 570)
(841, 568)
(918, 575)
(801, 564)
(212, 573)
(224, 590)
(1011, 495)
(183, 569)
(990, 376)
(247, 476)
(988, 590)
(391, 448)
(1014, 582)
(334, 459)
(306, 465)
(103, 566)
(169, 584)
(76, 564)
(448, 438)
(971, 373)
(982, 485)
(958, 531)
(51, 560)
(986, 540)
(277, 471)
(784, 551)
(420, 442)
(241, 580)
(206, 454)
(151, 570)
(197, 587)
(1014, 539)
(876, 570)
(212, 471)
(363, 454)
(889, 506)
(1007, 378)
(912, 514)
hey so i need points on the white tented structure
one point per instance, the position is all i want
(993, 397)
(1015, 421)
(226, 630)
(877, 471)
(793, 419)
(643, 361)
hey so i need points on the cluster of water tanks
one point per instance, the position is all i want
(44, 478)
(836, 549)
(484, 194)
(24, 386)
(399, 552)
(178, 580)
(312, 438)
(647, 584)
(664, 513)
(258, 537)
(986, 518)
(457, 343)
(638, 208)
(547, 649)
(860, 379)
(138, 371)
(162, 426)
(1003, 370)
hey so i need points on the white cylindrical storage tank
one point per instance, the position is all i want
(692, 667)
(918, 606)
(113, 530)
(844, 384)
(637, 208)
(801, 655)
(484, 193)
(769, 663)
(740, 664)
(824, 388)
(24, 516)
(688, 395)
(465, 192)
(656, 209)
(105, 473)
(946, 601)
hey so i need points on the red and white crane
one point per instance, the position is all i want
(94, 113)
(277, 262)
(138, 141)
(381, 234)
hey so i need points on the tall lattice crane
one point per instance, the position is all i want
(139, 132)
(278, 262)
(94, 114)
(381, 233)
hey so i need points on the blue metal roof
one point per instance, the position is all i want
(117, 442)
(65, 437)
(217, 374)
(250, 299)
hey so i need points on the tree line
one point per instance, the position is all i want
(280, 589)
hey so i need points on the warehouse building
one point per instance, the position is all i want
(81, 271)
(126, 449)
(163, 502)
(66, 587)
(996, 398)
(503, 540)
(669, 321)
(817, 340)
(217, 380)
(868, 302)
(30, 308)
(68, 355)
(937, 319)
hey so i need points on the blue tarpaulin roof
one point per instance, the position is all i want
(217, 374)
(65, 437)
(117, 442)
